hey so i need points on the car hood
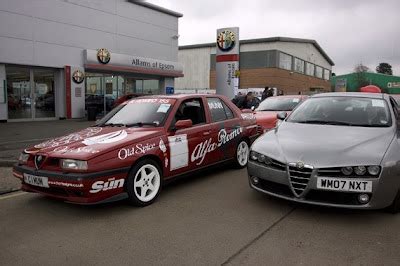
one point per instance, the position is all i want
(325, 145)
(93, 141)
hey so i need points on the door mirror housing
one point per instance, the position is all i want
(181, 124)
(281, 115)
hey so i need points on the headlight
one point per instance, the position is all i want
(374, 170)
(347, 170)
(255, 156)
(23, 157)
(360, 170)
(74, 164)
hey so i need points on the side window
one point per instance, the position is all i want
(228, 111)
(192, 109)
(217, 109)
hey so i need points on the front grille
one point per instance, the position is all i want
(299, 178)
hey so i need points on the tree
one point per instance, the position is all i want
(384, 68)
(361, 79)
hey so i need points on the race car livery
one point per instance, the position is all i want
(136, 147)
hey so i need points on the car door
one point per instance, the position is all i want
(225, 129)
(189, 146)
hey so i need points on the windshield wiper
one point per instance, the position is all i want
(324, 122)
(140, 124)
(111, 125)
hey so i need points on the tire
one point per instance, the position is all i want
(144, 183)
(242, 154)
(395, 207)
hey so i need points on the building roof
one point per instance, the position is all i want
(157, 8)
(262, 40)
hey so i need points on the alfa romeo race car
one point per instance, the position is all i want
(136, 147)
(266, 112)
(335, 149)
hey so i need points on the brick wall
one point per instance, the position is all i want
(290, 83)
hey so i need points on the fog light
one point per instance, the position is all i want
(253, 155)
(261, 158)
(255, 180)
(363, 198)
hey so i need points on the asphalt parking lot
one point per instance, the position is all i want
(212, 218)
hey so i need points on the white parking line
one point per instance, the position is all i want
(12, 195)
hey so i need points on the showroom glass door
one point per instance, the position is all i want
(19, 94)
(43, 94)
(30, 93)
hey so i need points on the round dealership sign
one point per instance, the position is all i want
(103, 55)
(226, 40)
(78, 76)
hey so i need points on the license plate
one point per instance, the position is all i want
(344, 184)
(39, 181)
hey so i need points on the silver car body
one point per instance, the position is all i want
(317, 151)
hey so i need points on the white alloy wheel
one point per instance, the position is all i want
(242, 153)
(146, 183)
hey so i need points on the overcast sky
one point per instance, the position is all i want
(350, 31)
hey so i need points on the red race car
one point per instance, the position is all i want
(136, 147)
(270, 107)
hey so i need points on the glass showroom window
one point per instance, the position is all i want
(310, 69)
(318, 72)
(327, 74)
(285, 61)
(298, 65)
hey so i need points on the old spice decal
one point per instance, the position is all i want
(138, 149)
(106, 138)
(200, 151)
(65, 140)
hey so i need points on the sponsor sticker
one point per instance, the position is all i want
(66, 149)
(295, 100)
(248, 116)
(163, 108)
(215, 105)
(202, 149)
(378, 103)
(138, 149)
(106, 138)
(65, 184)
(107, 185)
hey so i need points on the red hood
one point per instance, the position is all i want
(93, 141)
(267, 119)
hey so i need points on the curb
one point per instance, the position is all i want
(5, 192)
(8, 163)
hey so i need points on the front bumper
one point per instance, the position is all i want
(75, 187)
(276, 182)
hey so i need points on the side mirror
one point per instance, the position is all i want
(181, 124)
(281, 115)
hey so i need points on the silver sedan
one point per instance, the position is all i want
(335, 149)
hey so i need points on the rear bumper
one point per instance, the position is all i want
(76, 187)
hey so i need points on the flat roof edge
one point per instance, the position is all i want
(157, 8)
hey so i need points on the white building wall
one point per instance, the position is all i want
(196, 68)
(54, 33)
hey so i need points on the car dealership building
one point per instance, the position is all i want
(57, 57)
(289, 64)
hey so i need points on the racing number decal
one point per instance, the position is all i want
(179, 151)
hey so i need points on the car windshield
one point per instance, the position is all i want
(139, 112)
(278, 104)
(344, 111)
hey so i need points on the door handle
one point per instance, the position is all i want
(206, 133)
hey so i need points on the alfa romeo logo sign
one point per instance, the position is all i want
(226, 40)
(103, 55)
(78, 76)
